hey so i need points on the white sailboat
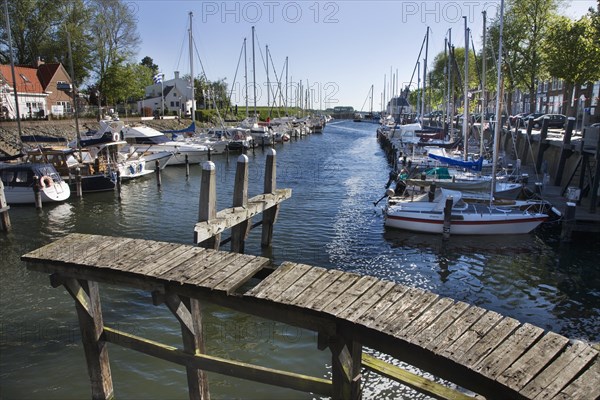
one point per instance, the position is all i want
(427, 215)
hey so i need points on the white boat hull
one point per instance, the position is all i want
(57, 192)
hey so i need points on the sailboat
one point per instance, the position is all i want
(490, 218)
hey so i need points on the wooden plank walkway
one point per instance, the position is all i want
(493, 355)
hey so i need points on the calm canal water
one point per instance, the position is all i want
(330, 221)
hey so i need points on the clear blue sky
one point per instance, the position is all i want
(340, 47)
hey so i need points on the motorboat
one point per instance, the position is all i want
(20, 179)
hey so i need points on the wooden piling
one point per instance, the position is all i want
(345, 368)
(157, 172)
(568, 223)
(208, 153)
(239, 232)
(208, 202)
(270, 215)
(187, 167)
(78, 185)
(118, 184)
(4, 217)
(431, 194)
(543, 145)
(447, 218)
(37, 193)
(525, 151)
(565, 152)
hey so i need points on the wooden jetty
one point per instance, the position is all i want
(480, 350)
(494, 356)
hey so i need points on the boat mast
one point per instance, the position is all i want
(254, 75)
(286, 86)
(500, 85)
(191, 49)
(74, 95)
(450, 108)
(424, 75)
(483, 94)
(419, 93)
(268, 84)
(12, 68)
(371, 111)
(466, 96)
(246, 77)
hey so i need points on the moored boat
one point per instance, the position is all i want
(19, 182)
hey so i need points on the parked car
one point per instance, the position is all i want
(514, 118)
(525, 120)
(555, 121)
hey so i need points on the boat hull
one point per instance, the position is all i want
(465, 224)
(58, 192)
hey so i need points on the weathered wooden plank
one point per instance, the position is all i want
(350, 295)
(76, 253)
(397, 308)
(225, 270)
(158, 259)
(585, 386)
(366, 301)
(371, 316)
(190, 253)
(121, 254)
(509, 351)
(482, 346)
(401, 320)
(284, 268)
(53, 249)
(426, 319)
(219, 365)
(283, 281)
(318, 286)
(519, 373)
(184, 271)
(560, 372)
(304, 282)
(240, 277)
(417, 382)
(155, 250)
(115, 252)
(232, 216)
(439, 330)
(463, 347)
(321, 300)
(216, 263)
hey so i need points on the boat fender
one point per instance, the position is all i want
(116, 136)
(46, 181)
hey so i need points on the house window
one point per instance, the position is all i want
(554, 83)
(560, 84)
(595, 94)
(172, 104)
(176, 104)
(545, 87)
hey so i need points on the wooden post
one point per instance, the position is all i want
(87, 302)
(157, 172)
(270, 215)
(526, 145)
(227, 153)
(423, 178)
(239, 232)
(189, 314)
(565, 151)
(208, 201)
(345, 368)
(37, 193)
(431, 194)
(447, 218)
(208, 153)
(4, 217)
(543, 143)
(187, 167)
(118, 184)
(78, 185)
(568, 223)
(596, 179)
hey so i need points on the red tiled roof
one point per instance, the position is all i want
(26, 77)
(45, 73)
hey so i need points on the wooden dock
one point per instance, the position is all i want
(480, 350)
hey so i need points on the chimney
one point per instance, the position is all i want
(176, 74)
(39, 62)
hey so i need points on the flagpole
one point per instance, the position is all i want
(162, 95)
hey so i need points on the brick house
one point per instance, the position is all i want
(36, 89)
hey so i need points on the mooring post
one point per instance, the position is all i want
(4, 217)
(78, 186)
(89, 313)
(187, 167)
(239, 232)
(37, 193)
(565, 152)
(543, 145)
(157, 172)
(525, 150)
(447, 218)
(345, 368)
(208, 202)
(270, 215)
(208, 153)
(431, 194)
(568, 223)
(118, 185)
(227, 153)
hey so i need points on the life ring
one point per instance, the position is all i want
(46, 181)
(116, 136)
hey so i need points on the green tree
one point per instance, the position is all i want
(115, 40)
(149, 62)
(572, 53)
